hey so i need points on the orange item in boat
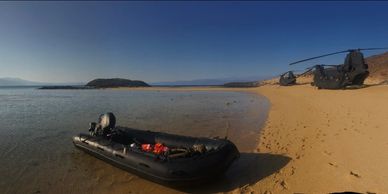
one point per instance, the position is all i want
(158, 148)
(146, 147)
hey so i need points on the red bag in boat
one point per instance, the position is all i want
(158, 148)
(146, 147)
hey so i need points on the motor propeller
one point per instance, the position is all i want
(338, 52)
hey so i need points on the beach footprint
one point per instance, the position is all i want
(355, 174)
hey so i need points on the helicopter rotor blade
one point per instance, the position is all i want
(365, 49)
(307, 71)
(344, 51)
(319, 57)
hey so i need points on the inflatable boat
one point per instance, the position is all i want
(160, 157)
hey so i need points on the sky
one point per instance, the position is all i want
(168, 41)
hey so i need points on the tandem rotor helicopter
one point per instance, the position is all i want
(353, 72)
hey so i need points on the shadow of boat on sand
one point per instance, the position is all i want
(249, 169)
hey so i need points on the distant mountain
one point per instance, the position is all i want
(11, 81)
(210, 82)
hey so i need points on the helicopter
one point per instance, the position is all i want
(353, 72)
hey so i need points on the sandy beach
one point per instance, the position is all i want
(336, 139)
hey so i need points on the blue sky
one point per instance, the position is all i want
(167, 41)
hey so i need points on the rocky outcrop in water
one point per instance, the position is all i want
(116, 82)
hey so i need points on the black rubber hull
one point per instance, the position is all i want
(177, 171)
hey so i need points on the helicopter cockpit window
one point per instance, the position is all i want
(288, 75)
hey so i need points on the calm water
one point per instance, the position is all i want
(37, 155)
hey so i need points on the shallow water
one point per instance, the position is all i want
(37, 155)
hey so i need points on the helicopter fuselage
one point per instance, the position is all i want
(353, 72)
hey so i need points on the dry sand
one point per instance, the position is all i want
(320, 141)
(337, 140)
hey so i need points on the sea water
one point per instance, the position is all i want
(36, 126)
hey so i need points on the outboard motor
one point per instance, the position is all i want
(106, 123)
